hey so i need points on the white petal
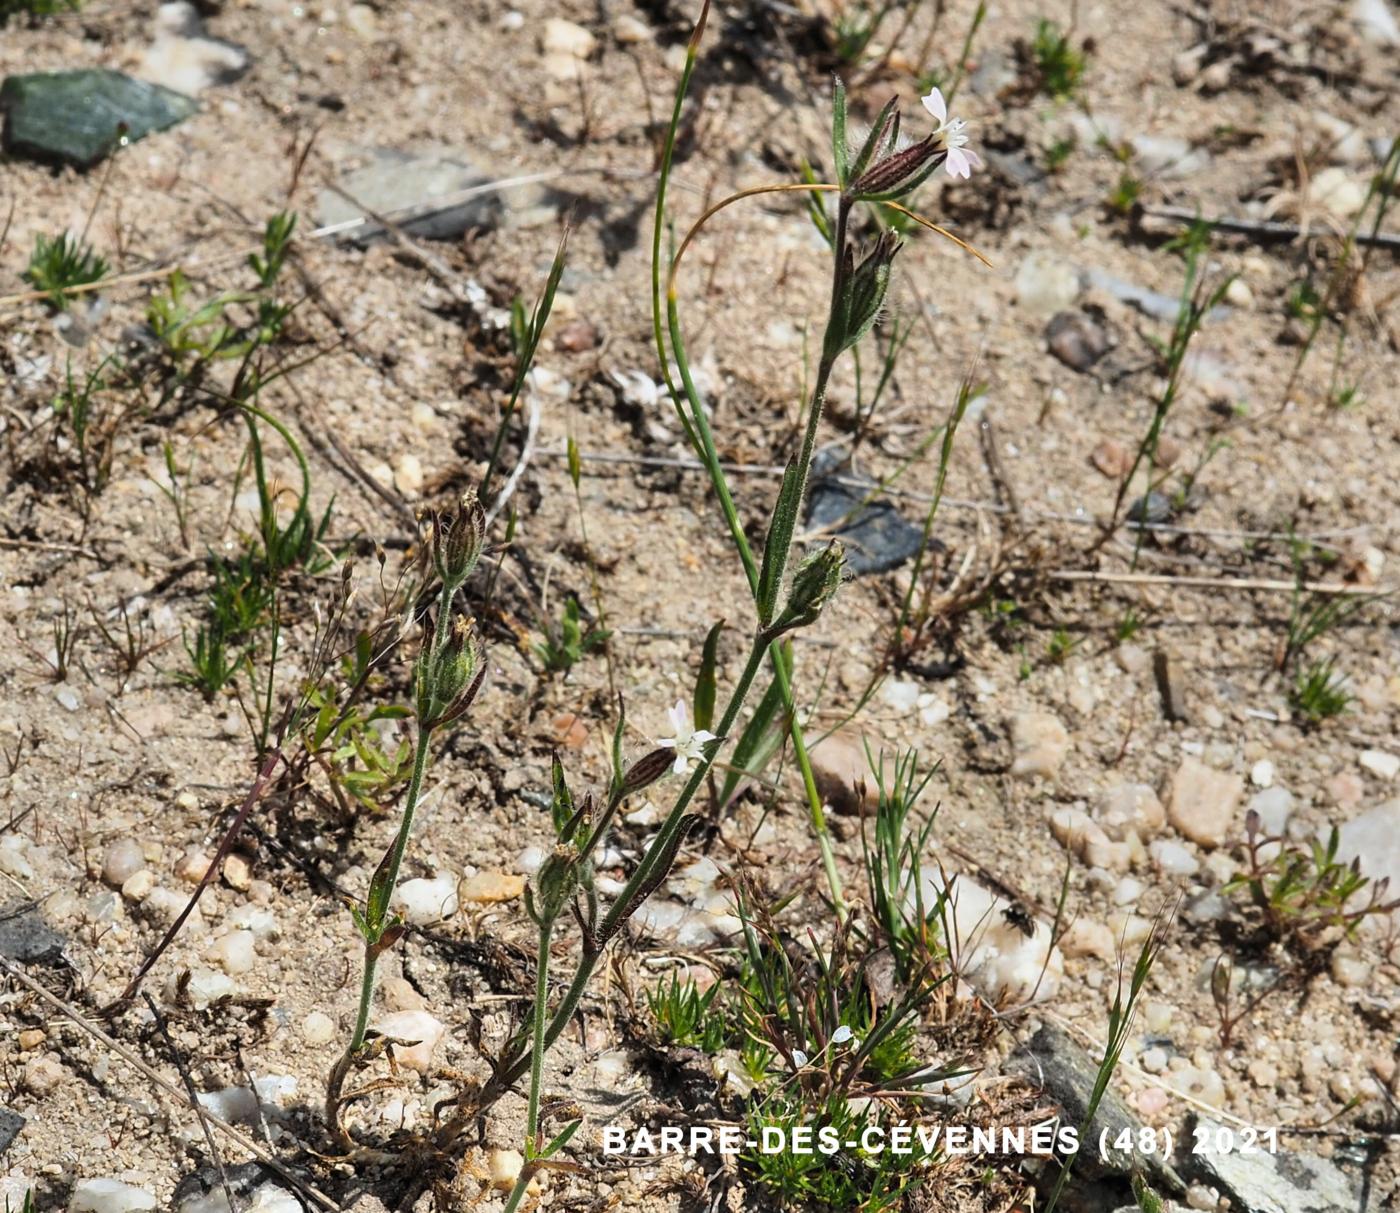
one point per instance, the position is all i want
(680, 718)
(799, 1057)
(700, 736)
(957, 164)
(973, 159)
(681, 763)
(936, 106)
(841, 1035)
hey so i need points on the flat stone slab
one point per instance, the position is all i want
(1291, 1181)
(75, 117)
(26, 938)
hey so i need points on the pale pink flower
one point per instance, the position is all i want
(951, 134)
(688, 743)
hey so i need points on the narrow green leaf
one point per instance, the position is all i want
(575, 465)
(759, 741)
(562, 808)
(839, 153)
(563, 1139)
(878, 133)
(705, 681)
(779, 540)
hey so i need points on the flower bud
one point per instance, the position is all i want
(556, 881)
(458, 539)
(896, 174)
(648, 769)
(817, 579)
(450, 676)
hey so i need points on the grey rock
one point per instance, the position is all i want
(876, 535)
(10, 1125)
(74, 117)
(26, 938)
(420, 192)
(1291, 1181)
(203, 1191)
(1077, 339)
(1154, 508)
(1054, 1061)
(1149, 303)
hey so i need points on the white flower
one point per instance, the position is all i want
(689, 744)
(842, 1035)
(951, 134)
(799, 1057)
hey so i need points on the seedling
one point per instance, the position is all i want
(688, 1017)
(1320, 692)
(565, 643)
(1304, 892)
(60, 263)
(1059, 65)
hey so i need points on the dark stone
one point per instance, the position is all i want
(74, 117)
(244, 1179)
(877, 536)
(1290, 1181)
(1077, 339)
(1054, 1061)
(1171, 685)
(25, 936)
(10, 1125)
(1153, 509)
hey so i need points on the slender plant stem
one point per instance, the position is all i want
(537, 1049)
(415, 786)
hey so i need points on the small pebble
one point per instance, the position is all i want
(234, 952)
(238, 872)
(192, 866)
(503, 1168)
(109, 1196)
(67, 697)
(1153, 1060)
(425, 901)
(42, 1074)
(138, 886)
(318, 1028)
(418, 1026)
(491, 887)
(566, 38)
(1380, 763)
(122, 859)
(31, 1038)
(1261, 774)
(630, 30)
(1262, 1073)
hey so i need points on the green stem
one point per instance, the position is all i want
(415, 786)
(532, 1117)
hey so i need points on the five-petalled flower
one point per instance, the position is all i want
(688, 743)
(952, 136)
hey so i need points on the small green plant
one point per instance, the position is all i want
(894, 847)
(1058, 153)
(1128, 626)
(93, 428)
(1303, 891)
(688, 1017)
(345, 738)
(58, 264)
(1197, 300)
(1121, 1014)
(1302, 301)
(1125, 193)
(1319, 693)
(566, 642)
(1060, 645)
(1059, 65)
